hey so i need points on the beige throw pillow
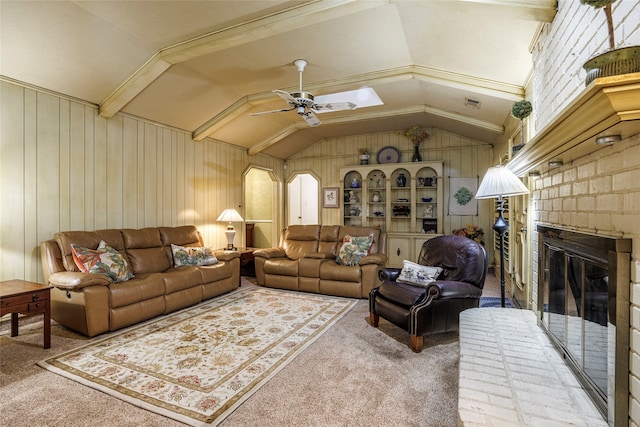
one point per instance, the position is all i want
(418, 275)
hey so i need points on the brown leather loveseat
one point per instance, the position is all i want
(306, 261)
(92, 303)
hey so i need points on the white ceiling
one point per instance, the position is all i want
(205, 66)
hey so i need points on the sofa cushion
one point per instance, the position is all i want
(281, 266)
(330, 240)
(142, 287)
(353, 249)
(180, 278)
(183, 255)
(145, 251)
(300, 239)
(103, 260)
(215, 273)
(185, 235)
(86, 239)
(418, 275)
(340, 273)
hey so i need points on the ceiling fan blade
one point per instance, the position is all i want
(284, 95)
(272, 111)
(311, 119)
(334, 106)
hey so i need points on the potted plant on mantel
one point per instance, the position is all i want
(615, 61)
(520, 111)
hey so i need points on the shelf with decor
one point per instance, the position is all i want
(404, 199)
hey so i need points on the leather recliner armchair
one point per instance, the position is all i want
(436, 307)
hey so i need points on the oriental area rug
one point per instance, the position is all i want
(198, 365)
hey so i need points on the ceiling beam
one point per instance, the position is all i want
(532, 10)
(294, 18)
(374, 115)
(459, 81)
(274, 138)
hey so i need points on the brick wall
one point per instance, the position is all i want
(599, 193)
(577, 33)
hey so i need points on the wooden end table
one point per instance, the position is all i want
(247, 267)
(246, 262)
(19, 296)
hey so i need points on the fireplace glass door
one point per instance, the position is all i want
(576, 311)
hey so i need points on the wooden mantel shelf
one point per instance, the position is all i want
(608, 106)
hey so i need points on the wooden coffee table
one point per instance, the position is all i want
(19, 296)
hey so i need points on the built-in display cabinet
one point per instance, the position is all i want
(404, 199)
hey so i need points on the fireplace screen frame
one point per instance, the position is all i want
(570, 310)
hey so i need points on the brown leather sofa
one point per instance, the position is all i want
(306, 261)
(436, 307)
(91, 303)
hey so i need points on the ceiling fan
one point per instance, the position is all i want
(304, 103)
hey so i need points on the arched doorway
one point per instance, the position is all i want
(302, 199)
(261, 200)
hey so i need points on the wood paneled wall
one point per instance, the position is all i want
(462, 157)
(64, 167)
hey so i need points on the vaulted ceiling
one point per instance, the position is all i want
(205, 66)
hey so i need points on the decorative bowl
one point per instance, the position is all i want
(427, 199)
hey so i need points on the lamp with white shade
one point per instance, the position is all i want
(230, 216)
(499, 182)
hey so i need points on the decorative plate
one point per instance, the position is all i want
(388, 155)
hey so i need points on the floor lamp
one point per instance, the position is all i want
(230, 216)
(499, 182)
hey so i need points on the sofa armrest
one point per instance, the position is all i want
(227, 255)
(70, 280)
(270, 253)
(380, 259)
(447, 289)
(319, 255)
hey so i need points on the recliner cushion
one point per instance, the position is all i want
(401, 294)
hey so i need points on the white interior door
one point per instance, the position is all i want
(303, 200)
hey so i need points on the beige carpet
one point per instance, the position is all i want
(353, 375)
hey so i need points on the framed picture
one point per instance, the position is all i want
(330, 197)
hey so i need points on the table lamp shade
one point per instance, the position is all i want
(230, 216)
(500, 181)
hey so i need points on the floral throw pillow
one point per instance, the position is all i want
(103, 260)
(193, 255)
(353, 249)
(417, 274)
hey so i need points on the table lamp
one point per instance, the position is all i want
(230, 216)
(497, 183)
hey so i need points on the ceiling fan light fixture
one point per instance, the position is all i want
(306, 105)
(300, 64)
